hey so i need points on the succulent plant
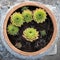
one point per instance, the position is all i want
(17, 19)
(39, 15)
(24, 8)
(30, 34)
(43, 33)
(18, 45)
(12, 30)
(27, 14)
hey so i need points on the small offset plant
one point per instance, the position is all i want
(12, 30)
(43, 33)
(18, 45)
(24, 8)
(39, 15)
(17, 19)
(30, 34)
(27, 14)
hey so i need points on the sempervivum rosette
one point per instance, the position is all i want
(30, 34)
(27, 14)
(12, 30)
(39, 15)
(17, 19)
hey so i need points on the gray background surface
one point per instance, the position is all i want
(5, 55)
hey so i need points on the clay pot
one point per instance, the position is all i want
(41, 50)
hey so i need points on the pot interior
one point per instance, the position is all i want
(41, 42)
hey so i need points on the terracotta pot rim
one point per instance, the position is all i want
(41, 50)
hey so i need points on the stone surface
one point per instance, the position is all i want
(5, 55)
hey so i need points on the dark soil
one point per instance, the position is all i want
(41, 42)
